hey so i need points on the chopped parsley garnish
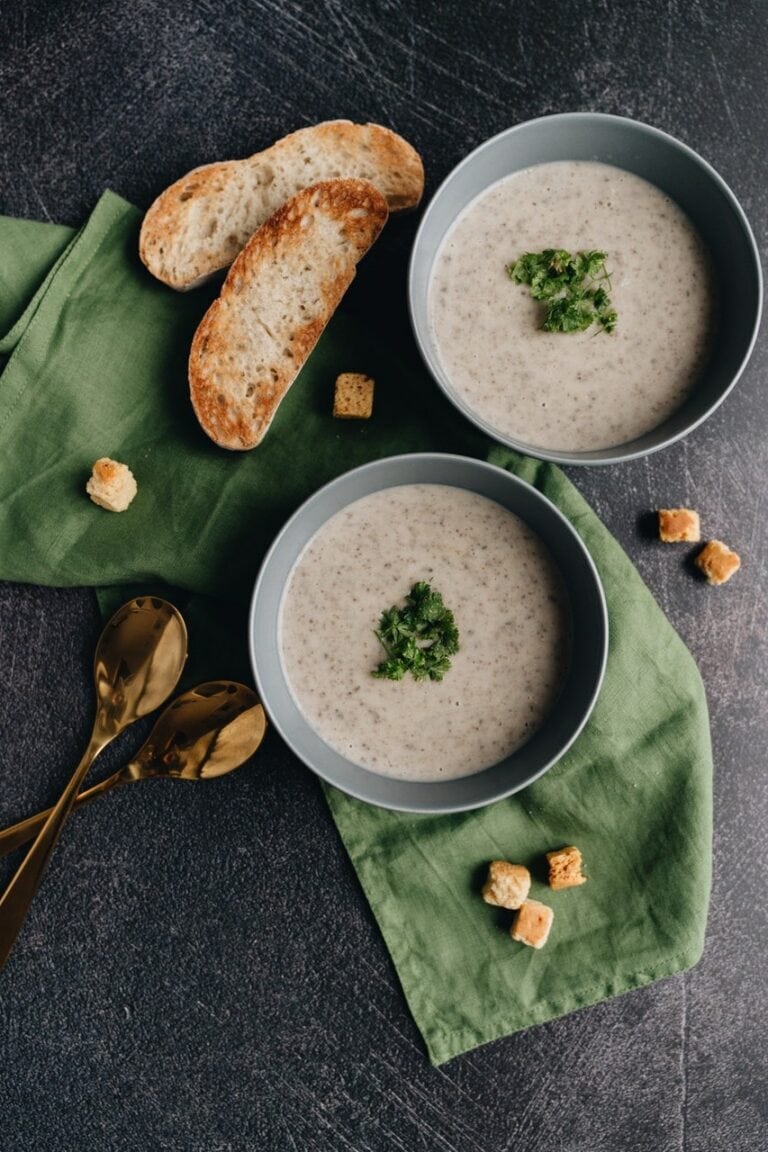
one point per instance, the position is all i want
(418, 638)
(571, 286)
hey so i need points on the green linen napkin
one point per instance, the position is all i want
(94, 363)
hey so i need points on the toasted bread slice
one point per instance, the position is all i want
(198, 225)
(277, 298)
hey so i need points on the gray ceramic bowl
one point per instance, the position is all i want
(589, 644)
(676, 170)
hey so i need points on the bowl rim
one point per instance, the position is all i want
(612, 455)
(358, 793)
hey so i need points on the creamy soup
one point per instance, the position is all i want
(508, 603)
(584, 390)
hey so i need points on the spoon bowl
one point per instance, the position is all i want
(207, 732)
(138, 662)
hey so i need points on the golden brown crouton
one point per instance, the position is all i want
(532, 924)
(507, 885)
(717, 562)
(112, 485)
(353, 396)
(679, 525)
(565, 868)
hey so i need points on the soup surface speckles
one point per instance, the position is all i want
(510, 609)
(573, 391)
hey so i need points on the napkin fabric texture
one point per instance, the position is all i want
(93, 356)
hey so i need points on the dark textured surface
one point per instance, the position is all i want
(200, 970)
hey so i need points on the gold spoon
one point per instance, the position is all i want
(206, 732)
(138, 661)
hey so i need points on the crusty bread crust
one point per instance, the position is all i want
(198, 225)
(277, 298)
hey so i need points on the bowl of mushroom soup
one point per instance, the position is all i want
(428, 633)
(585, 288)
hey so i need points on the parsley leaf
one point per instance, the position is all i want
(571, 286)
(419, 638)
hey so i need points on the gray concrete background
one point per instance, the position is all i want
(200, 970)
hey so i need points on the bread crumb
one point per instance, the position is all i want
(679, 525)
(718, 562)
(565, 868)
(353, 396)
(507, 885)
(532, 924)
(112, 485)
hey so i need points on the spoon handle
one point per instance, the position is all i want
(17, 834)
(21, 891)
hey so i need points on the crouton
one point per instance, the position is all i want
(679, 525)
(353, 396)
(565, 868)
(111, 485)
(717, 562)
(532, 924)
(507, 885)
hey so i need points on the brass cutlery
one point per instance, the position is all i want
(138, 662)
(206, 732)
